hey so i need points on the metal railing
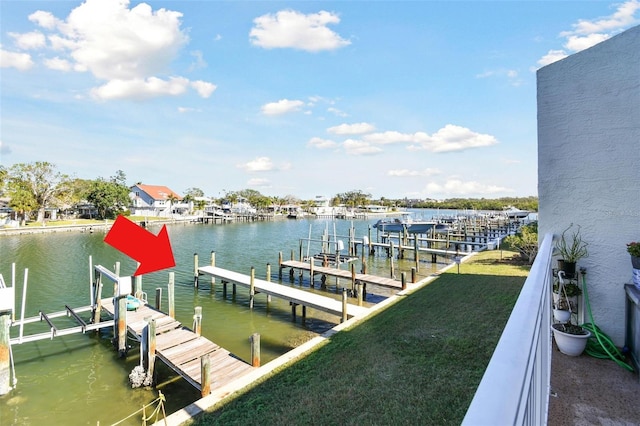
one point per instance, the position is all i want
(515, 387)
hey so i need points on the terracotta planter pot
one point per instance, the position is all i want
(635, 262)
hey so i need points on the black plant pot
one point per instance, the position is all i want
(569, 268)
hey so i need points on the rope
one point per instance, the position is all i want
(600, 346)
(159, 400)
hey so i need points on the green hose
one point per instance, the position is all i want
(600, 345)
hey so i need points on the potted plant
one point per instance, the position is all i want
(562, 310)
(571, 247)
(633, 249)
(571, 339)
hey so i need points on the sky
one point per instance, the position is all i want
(397, 99)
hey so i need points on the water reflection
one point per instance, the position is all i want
(79, 379)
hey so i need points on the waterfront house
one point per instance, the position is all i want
(155, 201)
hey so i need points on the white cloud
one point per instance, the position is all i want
(292, 29)
(283, 106)
(20, 61)
(510, 75)
(31, 40)
(351, 129)
(391, 137)
(204, 89)
(44, 19)
(578, 43)
(337, 112)
(453, 138)
(139, 89)
(459, 187)
(184, 110)
(58, 64)
(354, 147)
(260, 164)
(199, 61)
(413, 173)
(142, 42)
(322, 143)
(621, 18)
(551, 57)
(587, 33)
(129, 49)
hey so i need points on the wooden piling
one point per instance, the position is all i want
(159, 298)
(268, 280)
(413, 275)
(97, 298)
(121, 324)
(344, 305)
(171, 294)
(5, 346)
(205, 374)
(416, 252)
(137, 287)
(280, 265)
(255, 350)
(359, 293)
(391, 265)
(213, 263)
(353, 277)
(252, 287)
(149, 343)
(197, 320)
(195, 270)
(403, 280)
(311, 274)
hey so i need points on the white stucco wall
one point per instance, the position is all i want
(589, 163)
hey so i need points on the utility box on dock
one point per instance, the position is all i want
(124, 286)
(6, 299)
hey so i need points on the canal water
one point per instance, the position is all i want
(80, 380)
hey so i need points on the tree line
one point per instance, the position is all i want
(34, 187)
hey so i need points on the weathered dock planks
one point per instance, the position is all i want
(293, 295)
(182, 350)
(342, 273)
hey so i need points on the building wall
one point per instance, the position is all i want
(589, 164)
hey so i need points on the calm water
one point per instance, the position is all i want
(79, 379)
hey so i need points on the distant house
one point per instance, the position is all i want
(154, 201)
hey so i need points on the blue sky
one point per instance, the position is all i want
(418, 99)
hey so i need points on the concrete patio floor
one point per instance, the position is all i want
(591, 391)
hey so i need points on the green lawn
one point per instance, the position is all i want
(417, 362)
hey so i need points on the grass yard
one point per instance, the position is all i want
(417, 362)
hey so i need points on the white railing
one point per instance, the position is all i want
(515, 387)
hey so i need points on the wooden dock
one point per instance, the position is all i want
(293, 295)
(340, 273)
(181, 349)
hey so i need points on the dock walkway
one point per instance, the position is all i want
(341, 273)
(181, 349)
(293, 295)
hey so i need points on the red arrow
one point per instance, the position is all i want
(153, 252)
